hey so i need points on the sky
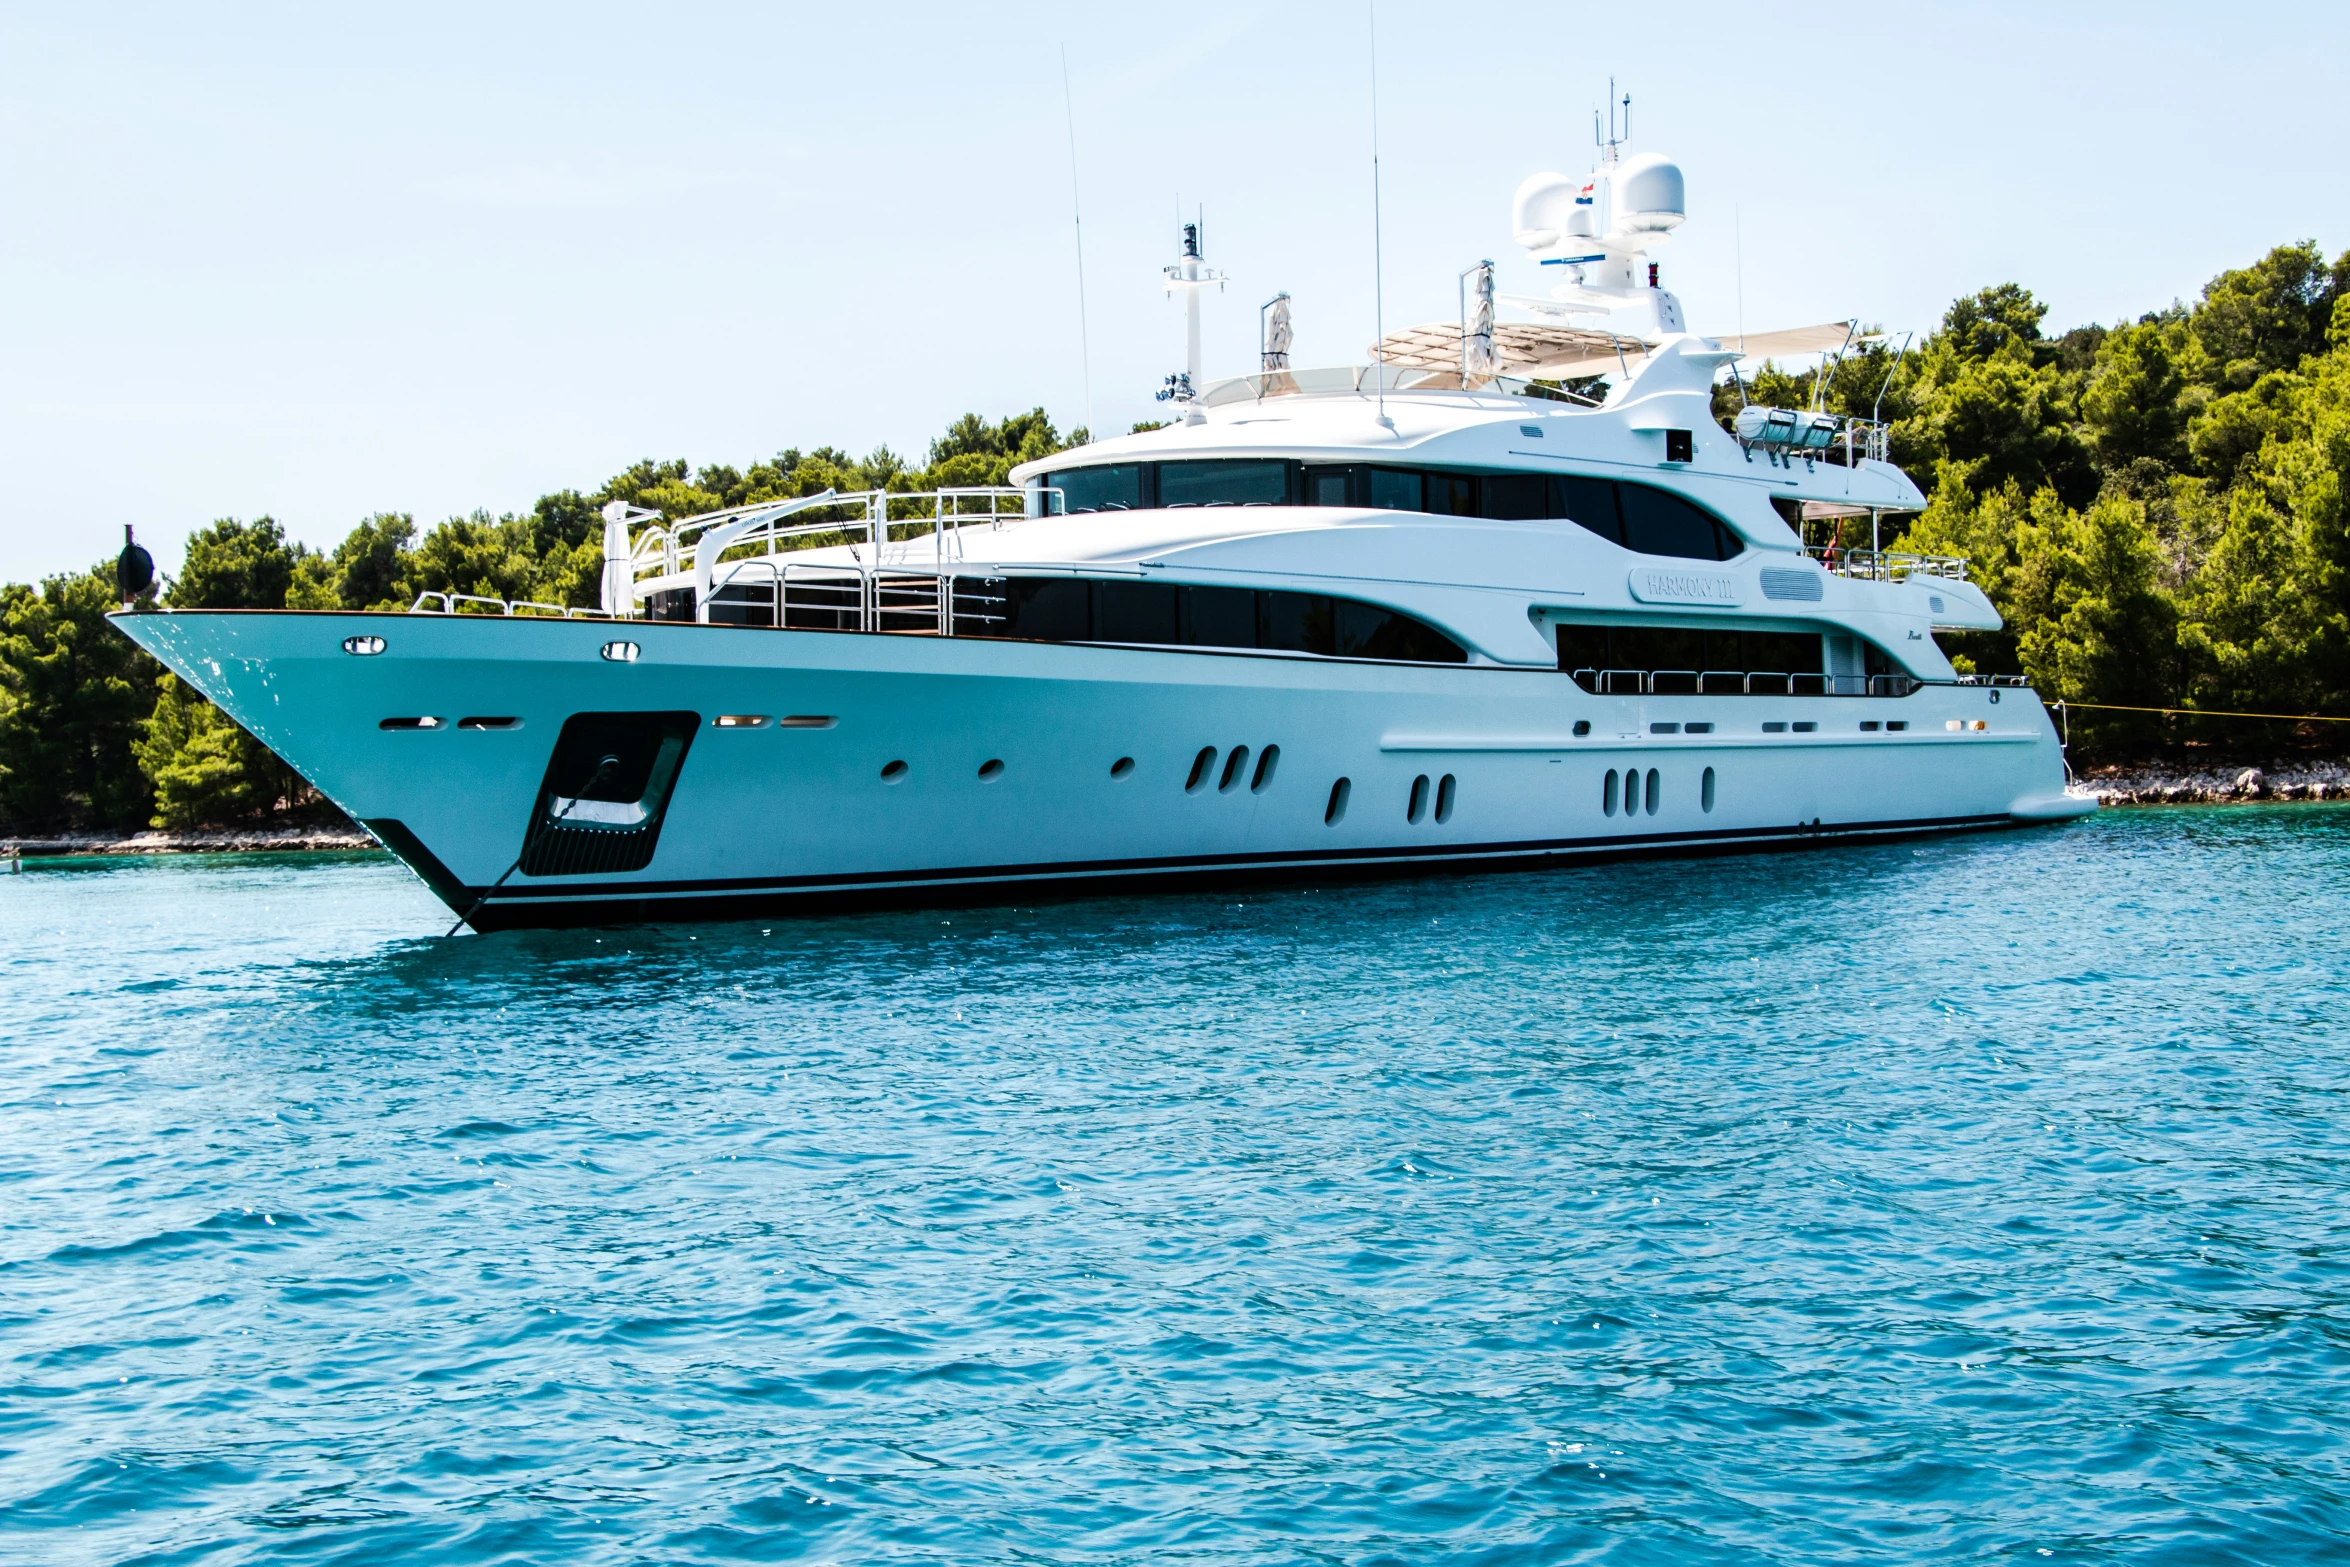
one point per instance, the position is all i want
(320, 262)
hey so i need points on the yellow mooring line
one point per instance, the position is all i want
(2208, 712)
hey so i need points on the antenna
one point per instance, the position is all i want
(1738, 250)
(1190, 274)
(1378, 232)
(1077, 221)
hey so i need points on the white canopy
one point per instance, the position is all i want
(1540, 349)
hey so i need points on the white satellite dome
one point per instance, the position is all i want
(1650, 197)
(1543, 211)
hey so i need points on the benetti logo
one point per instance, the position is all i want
(1652, 586)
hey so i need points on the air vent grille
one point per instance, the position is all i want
(1779, 583)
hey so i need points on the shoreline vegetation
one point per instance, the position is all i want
(2160, 509)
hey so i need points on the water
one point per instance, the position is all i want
(1983, 1199)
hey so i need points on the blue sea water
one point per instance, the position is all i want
(1980, 1199)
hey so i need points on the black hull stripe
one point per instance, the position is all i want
(774, 900)
(1285, 860)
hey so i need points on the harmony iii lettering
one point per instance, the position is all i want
(1653, 586)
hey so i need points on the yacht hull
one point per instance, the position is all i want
(771, 816)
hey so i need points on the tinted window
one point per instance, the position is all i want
(1117, 487)
(1367, 631)
(1064, 609)
(1047, 609)
(1393, 489)
(1220, 617)
(1590, 503)
(1137, 612)
(1239, 483)
(1295, 622)
(1660, 647)
(1327, 488)
(1658, 522)
(1515, 497)
(1652, 648)
(1449, 494)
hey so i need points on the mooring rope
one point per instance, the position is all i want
(531, 842)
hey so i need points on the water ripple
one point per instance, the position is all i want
(1975, 1199)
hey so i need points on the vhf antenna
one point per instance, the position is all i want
(1077, 221)
(1378, 231)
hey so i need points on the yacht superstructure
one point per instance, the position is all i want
(1432, 611)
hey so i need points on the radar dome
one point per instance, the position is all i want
(1649, 195)
(1543, 210)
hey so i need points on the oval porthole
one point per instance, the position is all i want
(1444, 795)
(1705, 790)
(1267, 759)
(1335, 811)
(1123, 767)
(806, 721)
(363, 647)
(1607, 794)
(1201, 765)
(489, 723)
(739, 721)
(621, 652)
(1419, 801)
(991, 769)
(1235, 767)
(411, 723)
(895, 772)
(1653, 791)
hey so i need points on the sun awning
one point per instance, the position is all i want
(1825, 338)
(1542, 350)
(1519, 348)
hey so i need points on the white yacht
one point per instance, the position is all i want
(1434, 612)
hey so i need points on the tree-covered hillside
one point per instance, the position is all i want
(2156, 507)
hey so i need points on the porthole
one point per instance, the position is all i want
(363, 647)
(895, 772)
(1335, 811)
(991, 769)
(1582, 726)
(622, 652)
(1444, 794)
(489, 723)
(1607, 794)
(739, 721)
(1123, 767)
(1235, 769)
(1697, 729)
(1267, 759)
(1653, 791)
(1201, 765)
(411, 723)
(806, 721)
(1705, 790)
(1896, 725)
(1804, 726)
(1778, 728)
(1419, 803)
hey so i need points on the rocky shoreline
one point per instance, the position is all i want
(2151, 785)
(226, 840)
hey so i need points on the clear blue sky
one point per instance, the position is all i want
(299, 261)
